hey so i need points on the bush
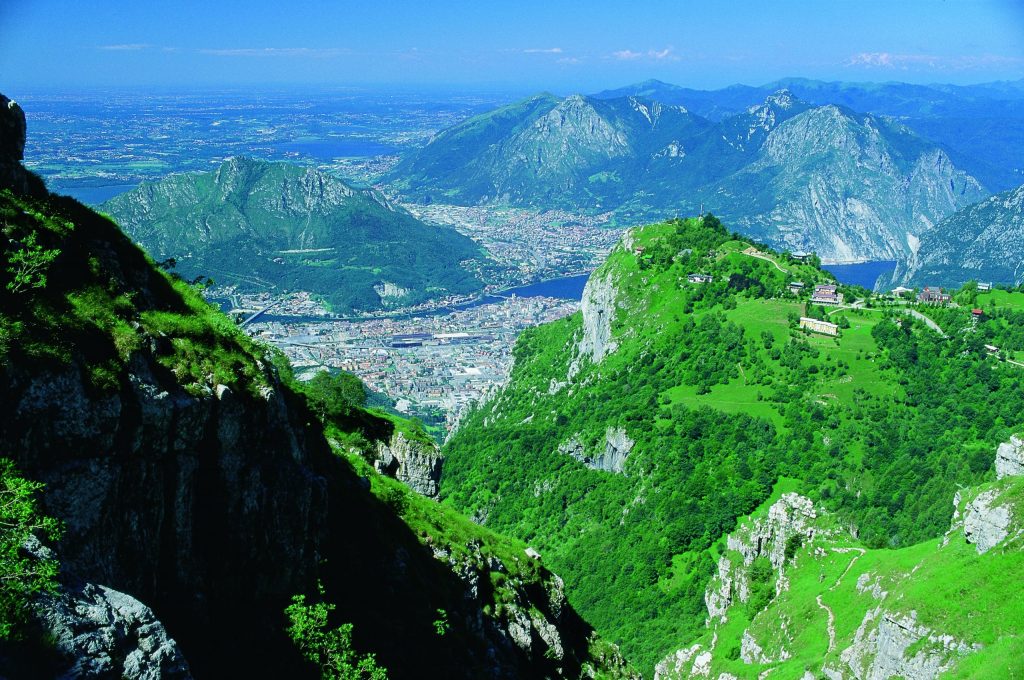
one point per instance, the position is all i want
(22, 576)
(329, 648)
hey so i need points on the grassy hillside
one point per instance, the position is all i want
(722, 395)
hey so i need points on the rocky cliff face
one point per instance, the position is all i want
(207, 508)
(418, 464)
(12, 150)
(981, 242)
(612, 458)
(598, 308)
(846, 187)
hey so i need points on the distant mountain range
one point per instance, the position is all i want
(847, 185)
(263, 225)
(982, 242)
(980, 126)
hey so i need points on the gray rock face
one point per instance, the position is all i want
(1010, 458)
(847, 186)
(12, 132)
(106, 633)
(415, 463)
(617, 447)
(883, 640)
(198, 505)
(598, 309)
(983, 242)
(12, 150)
(791, 515)
(986, 524)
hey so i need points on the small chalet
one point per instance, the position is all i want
(984, 287)
(796, 287)
(638, 251)
(700, 278)
(826, 294)
(933, 296)
(800, 256)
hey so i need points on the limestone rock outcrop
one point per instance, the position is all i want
(598, 307)
(1010, 458)
(12, 132)
(986, 523)
(617, 447)
(105, 633)
(418, 464)
(888, 645)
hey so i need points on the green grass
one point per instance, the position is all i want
(1001, 298)
(951, 589)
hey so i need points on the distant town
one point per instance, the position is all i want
(432, 365)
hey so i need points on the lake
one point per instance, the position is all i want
(95, 195)
(862, 273)
(564, 288)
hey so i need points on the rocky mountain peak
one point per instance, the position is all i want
(783, 99)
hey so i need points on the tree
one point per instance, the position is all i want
(22, 575)
(332, 396)
(28, 264)
(329, 648)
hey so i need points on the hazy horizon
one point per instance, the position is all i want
(531, 46)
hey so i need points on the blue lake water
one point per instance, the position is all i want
(861, 274)
(95, 195)
(564, 288)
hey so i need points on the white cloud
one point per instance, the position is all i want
(274, 52)
(126, 47)
(543, 50)
(653, 55)
(904, 62)
(626, 55)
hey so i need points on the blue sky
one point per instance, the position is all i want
(523, 46)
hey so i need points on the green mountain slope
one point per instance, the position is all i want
(267, 225)
(547, 151)
(796, 594)
(982, 242)
(191, 471)
(632, 435)
(848, 186)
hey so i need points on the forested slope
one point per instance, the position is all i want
(632, 435)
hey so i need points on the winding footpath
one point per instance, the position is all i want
(828, 610)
